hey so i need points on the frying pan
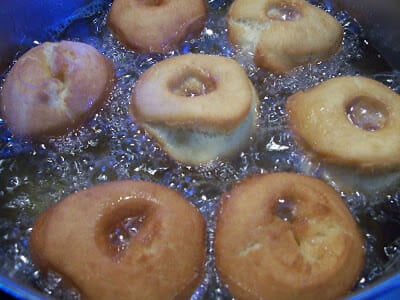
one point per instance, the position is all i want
(24, 23)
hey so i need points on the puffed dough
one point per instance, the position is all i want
(198, 107)
(283, 34)
(156, 25)
(320, 121)
(163, 255)
(287, 236)
(55, 87)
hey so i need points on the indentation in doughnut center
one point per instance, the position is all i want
(193, 84)
(285, 209)
(124, 230)
(283, 12)
(367, 113)
(118, 227)
(152, 2)
(60, 76)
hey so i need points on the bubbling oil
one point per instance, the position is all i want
(112, 146)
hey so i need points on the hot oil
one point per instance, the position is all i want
(113, 147)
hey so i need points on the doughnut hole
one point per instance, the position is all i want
(118, 227)
(283, 11)
(60, 76)
(299, 215)
(367, 113)
(285, 209)
(192, 84)
(59, 70)
(53, 89)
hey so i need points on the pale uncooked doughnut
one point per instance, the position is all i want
(54, 88)
(198, 107)
(283, 34)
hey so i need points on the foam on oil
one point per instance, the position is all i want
(113, 147)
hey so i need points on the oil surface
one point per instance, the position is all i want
(112, 146)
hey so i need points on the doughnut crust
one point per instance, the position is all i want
(286, 236)
(55, 87)
(162, 259)
(283, 34)
(198, 107)
(156, 25)
(319, 119)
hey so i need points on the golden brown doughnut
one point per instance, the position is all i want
(286, 236)
(156, 25)
(55, 87)
(283, 34)
(123, 240)
(198, 107)
(349, 121)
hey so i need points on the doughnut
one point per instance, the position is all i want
(156, 25)
(54, 88)
(348, 121)
(198, 107)
(286, 236)
(283, 34)
(122, 240)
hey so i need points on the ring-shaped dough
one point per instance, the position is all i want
(80, 239)
(55, 87)
(308, 35)
(287, 236)
(320, 122)
(199, 107)
(156, 25)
